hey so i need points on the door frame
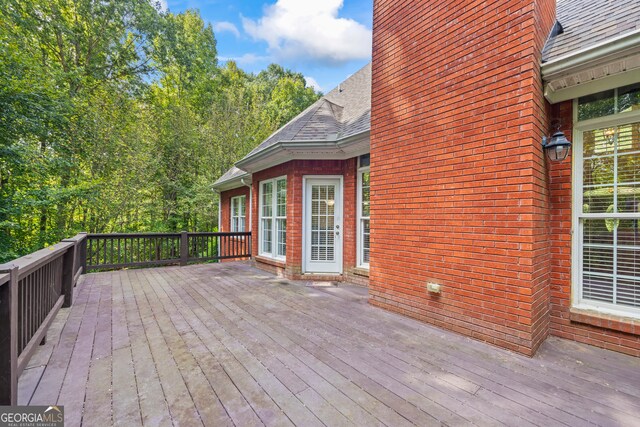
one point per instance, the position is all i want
(305, 231)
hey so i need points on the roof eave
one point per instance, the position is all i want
(284, 151)
(233, 183)
(601, 67)
(617, 47)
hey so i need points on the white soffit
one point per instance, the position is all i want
(619, 73)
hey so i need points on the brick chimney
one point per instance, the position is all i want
(458, 176)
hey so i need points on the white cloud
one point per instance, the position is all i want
(312, 30)
(224, 26)
(311, 82)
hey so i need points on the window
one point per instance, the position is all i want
(238, 213)
(609, 102)
(607, 201)
(273, 218)
(363, 212)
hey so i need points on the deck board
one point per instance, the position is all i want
(227, 344)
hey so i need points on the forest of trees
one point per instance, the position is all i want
(117, 117)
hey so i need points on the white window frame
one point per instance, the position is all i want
(577, 301)
(360, 218)
(274, 218)
(234, 214)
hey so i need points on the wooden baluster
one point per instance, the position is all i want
(20, 315)
(30, 296)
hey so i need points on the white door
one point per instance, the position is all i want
(323, 225)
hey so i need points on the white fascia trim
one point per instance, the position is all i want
(593, 86)
(234, 183)
(283, 151)
(617, 47)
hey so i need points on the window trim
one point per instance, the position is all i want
(274, 217)
(359, 241)
(232, 216)
(577, 301)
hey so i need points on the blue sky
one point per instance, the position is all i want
(325, 40)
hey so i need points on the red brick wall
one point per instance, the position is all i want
(458, 177)
(295, 171)
(225, 207)
(602, 331)
(231, 246)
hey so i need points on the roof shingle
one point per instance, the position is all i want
(343, 112)
(587, 23)
(230, 175)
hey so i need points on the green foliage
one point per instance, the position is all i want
(116, 117)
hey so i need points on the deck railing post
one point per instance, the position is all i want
(184, 248)
(69, 272)
(9, 336)
(83, 253)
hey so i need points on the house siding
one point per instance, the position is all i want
(603, 331)
(295, 171)
(458, 177)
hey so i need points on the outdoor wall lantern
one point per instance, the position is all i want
(557, 148)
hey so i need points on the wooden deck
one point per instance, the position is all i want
(226, 344)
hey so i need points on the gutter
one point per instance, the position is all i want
(618, 47)
(250, 205)
(219, 220)
(231, 183)
(337, 145)
(219, 217)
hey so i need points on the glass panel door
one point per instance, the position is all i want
(323, 226)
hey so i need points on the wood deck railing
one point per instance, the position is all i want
(33, 288)
(122, 250)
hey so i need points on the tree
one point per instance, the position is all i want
(115, 116)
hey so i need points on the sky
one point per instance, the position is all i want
(325, 40)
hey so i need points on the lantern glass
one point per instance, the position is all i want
(558, 148)
(557, 153)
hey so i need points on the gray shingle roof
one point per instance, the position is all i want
(343, 112)
(229, 175)
(589, 22)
